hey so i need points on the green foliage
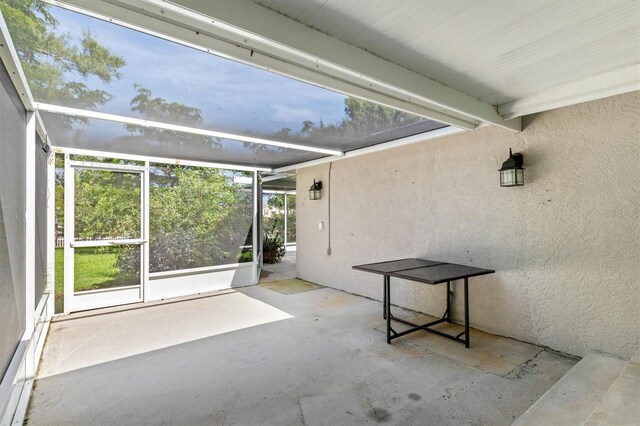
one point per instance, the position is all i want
(197, 218)
(362, 118)
(93, 269)
(107, 204)
(159, 109)
(274, 203)
(291, 218)
(273, 248)
(49, 59)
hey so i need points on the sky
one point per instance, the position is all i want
(232, 96)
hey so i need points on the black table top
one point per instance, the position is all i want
(384, 268)
(441, 273)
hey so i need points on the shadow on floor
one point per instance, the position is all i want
(257, 357)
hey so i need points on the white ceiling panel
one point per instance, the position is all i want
(334, 17)
(498, 51)
(300, 10)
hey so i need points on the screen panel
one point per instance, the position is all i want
(87, 63)
(99, 135)
(12, 214)
(199, 217)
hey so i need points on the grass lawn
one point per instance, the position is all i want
(95, 268)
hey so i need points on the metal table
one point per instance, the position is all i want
(429, 272)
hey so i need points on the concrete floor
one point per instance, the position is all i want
(257, 357)
(283, 270)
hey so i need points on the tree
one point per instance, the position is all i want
(197, 218)
(54, 64)
(362, 118)
(159, 109)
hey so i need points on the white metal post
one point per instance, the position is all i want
(69, 194)
(30, 221)
(145, 232)
(254, 233)
(286, 213)
(29, 243)
(51, 232)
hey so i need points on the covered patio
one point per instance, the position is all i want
(256, 356)
(191, 192)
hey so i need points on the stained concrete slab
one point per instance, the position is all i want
(494, 354)
(290, 286)
(574, 398)
(620, 406)
(296, 359)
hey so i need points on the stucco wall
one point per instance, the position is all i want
(565, 246)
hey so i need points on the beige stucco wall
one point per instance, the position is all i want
(566, 246)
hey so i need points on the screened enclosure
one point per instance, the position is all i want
(279, 216)
(159, 147)
(86, 65)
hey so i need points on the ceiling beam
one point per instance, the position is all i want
(252, 34)
(422, 137)
(263, 30)
(615, 82)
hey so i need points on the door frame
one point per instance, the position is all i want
(110, 296)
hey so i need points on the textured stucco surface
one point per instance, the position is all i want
(566, 246)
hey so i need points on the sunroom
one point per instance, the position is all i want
(156, 151)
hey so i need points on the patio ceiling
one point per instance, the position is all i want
(463, 64)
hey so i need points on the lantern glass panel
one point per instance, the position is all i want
(507, 177)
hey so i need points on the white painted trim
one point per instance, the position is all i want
(51, 232)
(273, 191)
(616, 82)
(161, 160)
(89, 299)
(275, 177)
(145, 271)
(104, 243)
(69, 232)
(42, 132)
(75, 112)
(9, 385)
(10, 59)
(17, 382)
(255, 237)
(286, 214)
(204, 269)
(110, 290)
(91, 165)
(438, 133)
(206, 282)
(30, 219)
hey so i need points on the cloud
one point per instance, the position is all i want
(289, 114)
(232, 96)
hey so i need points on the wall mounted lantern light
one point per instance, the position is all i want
(315, 191)
(512, 172)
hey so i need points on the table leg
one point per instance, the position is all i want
(388, 307)
(385, 280)
(449, 316)
(467, 338)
